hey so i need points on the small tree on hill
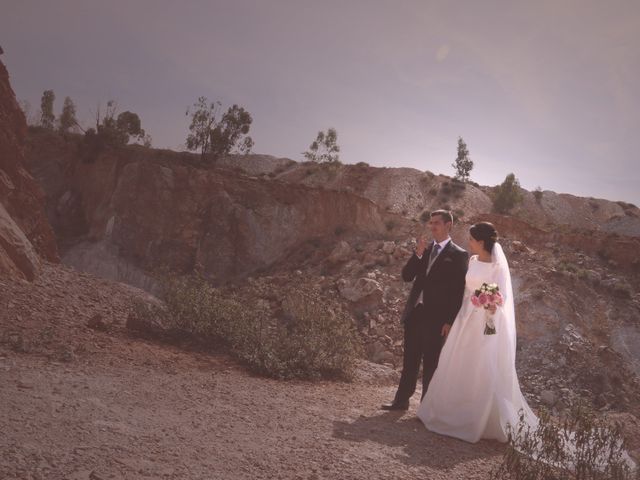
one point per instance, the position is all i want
(215, 137)
(47, 118)
(507, 194)
(231, 133)
(67, 120)
(324, 148)
(463, 164)
(128, 123)
(112, 131)
(203, 117)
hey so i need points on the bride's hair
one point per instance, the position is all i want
(486, 232)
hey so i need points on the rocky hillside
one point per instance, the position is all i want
(25, 233)
(125, 214)
(409, 192)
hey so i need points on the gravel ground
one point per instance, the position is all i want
(80, 403)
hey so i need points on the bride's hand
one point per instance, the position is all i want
(492, 309)
(445, 330)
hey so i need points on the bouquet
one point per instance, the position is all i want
(487, 296)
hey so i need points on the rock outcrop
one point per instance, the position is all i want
(25, 233)
(132, 211)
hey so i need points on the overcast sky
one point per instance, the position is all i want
(547, 90)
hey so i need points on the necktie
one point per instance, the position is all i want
(432, 258)
(434, 254)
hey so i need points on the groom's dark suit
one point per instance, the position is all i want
(442, 290)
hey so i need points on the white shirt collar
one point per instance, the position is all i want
(443, 243)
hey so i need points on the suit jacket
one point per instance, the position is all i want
(443, 287)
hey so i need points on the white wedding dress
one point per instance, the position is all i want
(475, 391)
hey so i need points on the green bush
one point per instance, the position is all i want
(313, 337)
(319, 340)
(580, 447)
(507, 194)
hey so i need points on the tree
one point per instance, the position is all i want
(324, 148)
(67, 118)
(112, 131)
(231, 133)
(215, 137)
(463, 164)
(128, 123)
(203, 117)
(507, 194)
(47, 117)
(118, 130)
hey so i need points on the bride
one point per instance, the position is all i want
(475, 391)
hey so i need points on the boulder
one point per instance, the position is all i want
(365, 294)
(388, 247)
(341, 253)
(18, 258)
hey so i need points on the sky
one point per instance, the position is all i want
(546, 90)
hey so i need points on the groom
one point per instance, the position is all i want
(438, 275)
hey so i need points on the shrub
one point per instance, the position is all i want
(390, 224)
(581, 446)
(313, 338)
(319, 340)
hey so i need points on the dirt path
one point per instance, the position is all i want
(125, 408)
(161, 413)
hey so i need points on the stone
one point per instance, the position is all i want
(388, 247)
(17, 255)
(518, 246)
(341, 253)
(548, 397)
(362, 289)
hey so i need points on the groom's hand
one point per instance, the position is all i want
(445, 330)
(421, 245)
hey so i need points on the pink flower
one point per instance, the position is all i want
(483, 298)
(497, 299)
(475, 301)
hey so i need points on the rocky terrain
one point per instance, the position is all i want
(25, 234)
(128, 213)
(82, 399)
(88, 400)
(350, 227)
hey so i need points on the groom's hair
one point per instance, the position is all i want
(444, 214)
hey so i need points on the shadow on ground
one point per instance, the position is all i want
(420, 447)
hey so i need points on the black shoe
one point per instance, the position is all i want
(396, 406)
